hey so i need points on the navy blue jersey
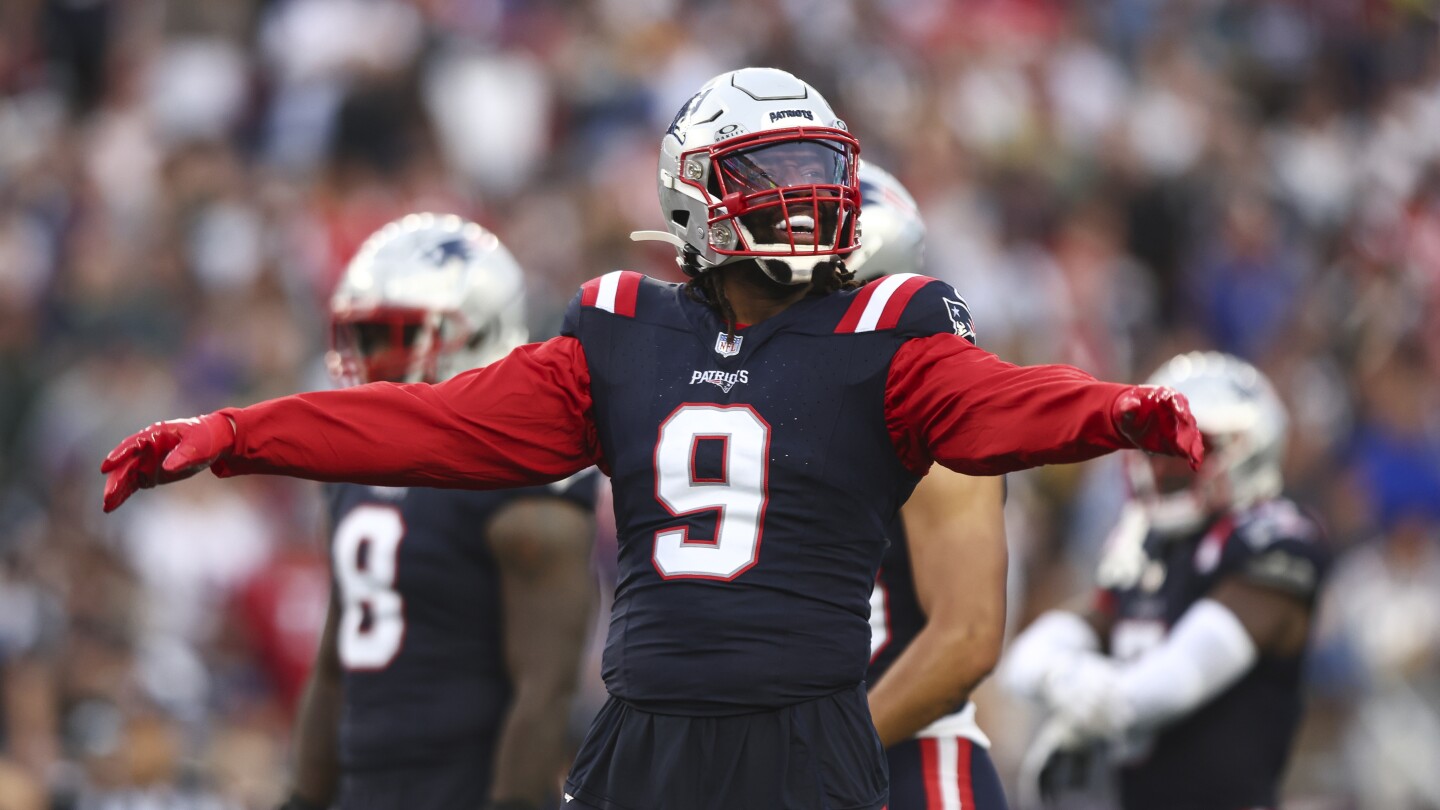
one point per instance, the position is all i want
(420, 635)
(754, 481)
(1230, 753)
(895, 614)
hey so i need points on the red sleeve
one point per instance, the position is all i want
(524, 419)
(950, 402)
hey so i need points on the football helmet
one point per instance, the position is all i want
(426, 297)
(757, 166)
(892, 234)
(1244, 427)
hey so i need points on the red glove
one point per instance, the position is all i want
(1158, 420)
(165, 452)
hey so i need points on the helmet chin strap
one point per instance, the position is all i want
(1175, 515)
(795, 276)
(690, 260)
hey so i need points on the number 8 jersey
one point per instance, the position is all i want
(754, 478)
(420, 629)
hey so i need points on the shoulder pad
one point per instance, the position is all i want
(915, 305)
(1277, 545)
(1267, 523)
(616, 292)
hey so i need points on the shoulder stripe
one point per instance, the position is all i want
(589, 292)
(857, 306)
(615, 292)
(899, 299)
(872, 307)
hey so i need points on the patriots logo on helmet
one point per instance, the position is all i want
(689, 107)
(959, 317)
(447, 250)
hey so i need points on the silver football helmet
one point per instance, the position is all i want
(757, 166)
(1244, 425)
(426, 297)
(892, 234)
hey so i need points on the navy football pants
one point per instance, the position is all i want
(461, 780)
(822, 754)
(944, 773)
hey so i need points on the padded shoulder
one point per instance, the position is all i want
(1277, 545)
(1269, 522)
(908, 303)
(624, 293)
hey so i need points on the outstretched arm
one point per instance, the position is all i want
(951, 402)
(525, 419)
(955, 527)
(1213, 645)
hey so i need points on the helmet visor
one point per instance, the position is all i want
(381, 346)
(788, 164)
(789, 197)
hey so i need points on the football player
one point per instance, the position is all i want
(1189, 659)
(457, 618)
(937, 615)
(761, 425)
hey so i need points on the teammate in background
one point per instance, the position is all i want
(1189, 659)
(457, 619)
(937, 615)
(762, 425)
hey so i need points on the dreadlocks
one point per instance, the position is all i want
(706, 287)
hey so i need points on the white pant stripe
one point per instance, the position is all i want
(947, 751)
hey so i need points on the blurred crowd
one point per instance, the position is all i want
(1108, 182)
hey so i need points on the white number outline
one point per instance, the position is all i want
(349, 575)
(727, 467)
(880, 634)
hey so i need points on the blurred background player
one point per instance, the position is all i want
(457, 618)
(937, 615)
(1189, 658)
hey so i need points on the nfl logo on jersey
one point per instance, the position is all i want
(726, 347)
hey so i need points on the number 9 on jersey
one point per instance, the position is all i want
(738, 492)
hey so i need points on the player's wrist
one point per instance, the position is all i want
(1047, 646)
(1080, 687)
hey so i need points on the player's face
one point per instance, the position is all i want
(1173, 474)
(794, 180)
(385, 344)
